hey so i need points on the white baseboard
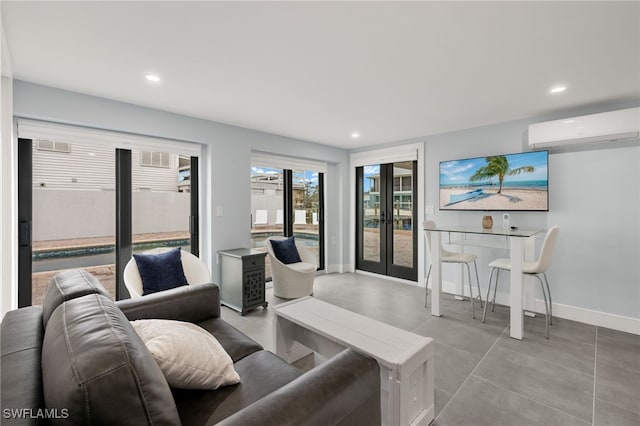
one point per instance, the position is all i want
(399, 280)
(574, 313)
(588, 316)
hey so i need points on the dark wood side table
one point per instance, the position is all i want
(242, 279)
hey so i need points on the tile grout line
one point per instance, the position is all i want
(509, 390)
(470, 374)
(498, 385)
(595, 368)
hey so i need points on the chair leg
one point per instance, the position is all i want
(473, 309)
(549, 294)
(546, 306)
(484, 311)
(426, 288)
(475, 265)
(495, 290)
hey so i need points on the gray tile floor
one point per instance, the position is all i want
(583, 375)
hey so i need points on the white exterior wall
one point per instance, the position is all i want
(60, 214)
(92, 167)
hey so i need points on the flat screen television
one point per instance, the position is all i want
(509, 182)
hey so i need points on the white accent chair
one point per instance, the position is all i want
(261, 218)
(536, 268)
(453, 257)
(195, 271)
(292, 280)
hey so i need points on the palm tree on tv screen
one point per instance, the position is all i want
(498, 166)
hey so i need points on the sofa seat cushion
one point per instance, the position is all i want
(95, 366)
(261, 373)
(237, 344)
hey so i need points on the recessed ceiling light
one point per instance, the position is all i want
(152, 77)
(355, 135)
(569, 121)
(558, 89)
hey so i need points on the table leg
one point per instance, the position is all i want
(460, 279)
(436, 274)
(517, 256)
(286, 346)
(529, 289)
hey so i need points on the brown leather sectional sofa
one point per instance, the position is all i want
(77, 360)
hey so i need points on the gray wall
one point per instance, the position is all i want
(594, 191)
(594, 196)
(229, 147)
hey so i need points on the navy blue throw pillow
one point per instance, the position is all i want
(162, 271)
(285, 250)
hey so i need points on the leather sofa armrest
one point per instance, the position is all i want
(345, 390)
(192, 303)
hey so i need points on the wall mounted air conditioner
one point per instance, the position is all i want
(602, 127)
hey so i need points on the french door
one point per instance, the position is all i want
(386, 214)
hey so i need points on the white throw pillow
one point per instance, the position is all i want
(188, 355)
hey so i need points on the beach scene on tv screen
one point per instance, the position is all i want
(498, 182)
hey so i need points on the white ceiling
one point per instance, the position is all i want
(319, 71)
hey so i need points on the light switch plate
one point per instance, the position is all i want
(219, 211)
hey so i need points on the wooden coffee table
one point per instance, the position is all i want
(406, 359)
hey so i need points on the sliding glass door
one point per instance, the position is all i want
(290, 203)
(386, 239)
(89, 206)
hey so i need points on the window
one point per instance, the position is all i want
(287, 199)
(154, 159)
(47, 145)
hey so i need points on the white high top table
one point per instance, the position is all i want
(405, 359)
(522, 248)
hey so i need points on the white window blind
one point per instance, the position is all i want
(43, 130)
(264, 159)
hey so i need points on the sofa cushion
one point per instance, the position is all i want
(67, 285)
(261, 373)
(160, 271)
(95, 366)
(237, 344)
(188, 355)
(21, 349)
(286, 250)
